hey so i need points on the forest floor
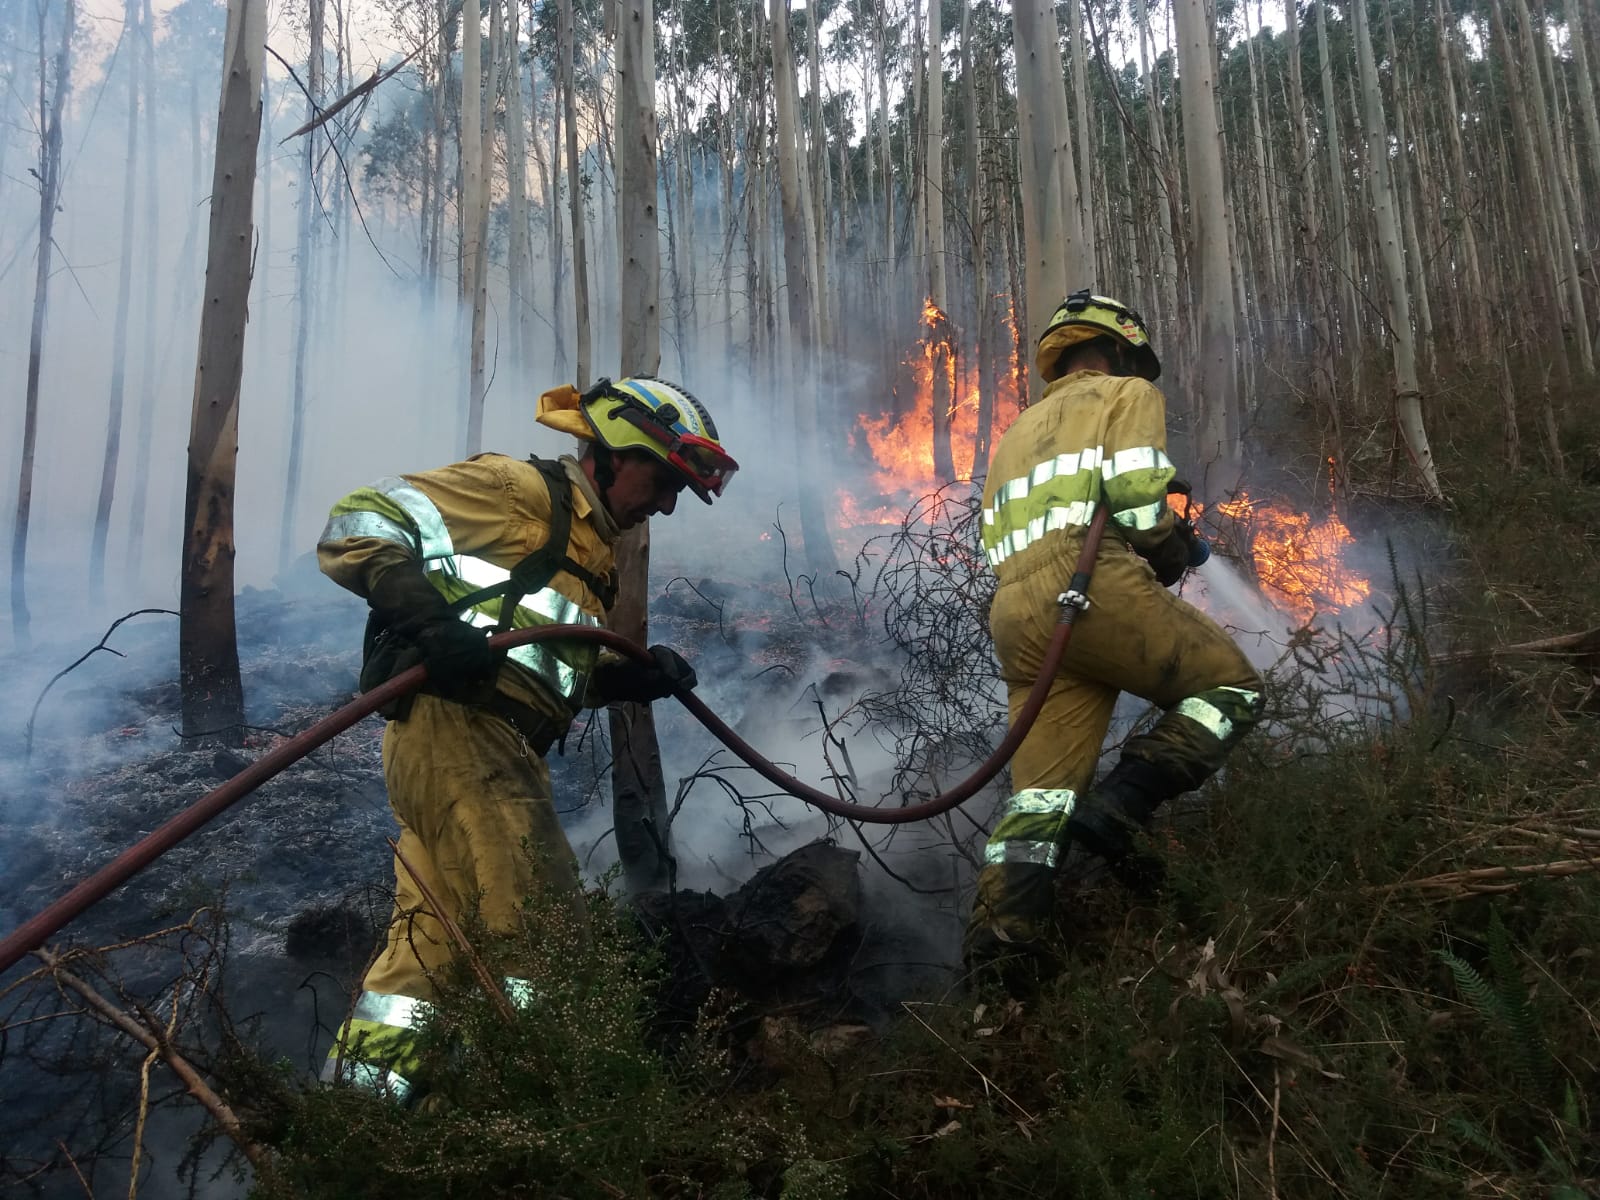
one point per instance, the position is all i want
(1372, 970)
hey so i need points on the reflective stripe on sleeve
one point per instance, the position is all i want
(367, 525)
(1138, 458)
(431, 529)
(1143, 516)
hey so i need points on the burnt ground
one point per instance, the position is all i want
(302, 873)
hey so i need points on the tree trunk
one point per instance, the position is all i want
(119, 335)
(820, 554)
(567, 54)
(1054, 249)
(213, 701)
(1349, 322)
(942, 336)
(1216, 438)
(982, 305)
(133, 559)
(521, 249)
(639, 794)
(305, 292)
(1408, 390)
(49, 173)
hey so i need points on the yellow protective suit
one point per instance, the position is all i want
(1093, 439)
(471, 795)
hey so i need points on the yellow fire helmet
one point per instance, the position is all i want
(645, 413)
(1083, 316)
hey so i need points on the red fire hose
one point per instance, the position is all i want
(33, 932)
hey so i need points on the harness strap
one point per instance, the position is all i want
(541, 566)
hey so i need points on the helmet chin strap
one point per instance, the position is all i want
(605, 473)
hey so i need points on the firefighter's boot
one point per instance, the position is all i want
(1109, 820)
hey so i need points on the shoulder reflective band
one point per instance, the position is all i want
(396, 511)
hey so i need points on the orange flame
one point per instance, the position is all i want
(1299, 562)
(902, 444)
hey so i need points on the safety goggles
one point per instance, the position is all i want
(706, 465)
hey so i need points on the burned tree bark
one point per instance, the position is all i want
(208, 648)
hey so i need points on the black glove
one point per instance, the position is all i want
(1169, 558)
(633, 682)
(460, 664)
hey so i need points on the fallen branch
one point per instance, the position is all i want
(1487, 879)
(1568, 645)
(158, 1044)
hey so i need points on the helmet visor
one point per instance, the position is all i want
(702, 461)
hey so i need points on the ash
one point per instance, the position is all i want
(787, 908)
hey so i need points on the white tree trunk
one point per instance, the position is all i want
(1216, 440)
(1056, 259)
(1408, 389)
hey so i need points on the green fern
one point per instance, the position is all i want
(1503, 1007)
(1474, 988)
(1530, 1053)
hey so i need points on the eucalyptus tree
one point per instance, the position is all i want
(208, 652)
(638, 789)
(566, 59)
(1057, 249)
(933, 187)
(307, 243)
(1407, 388)
(131, 55)
(800, 285)
(1217, 434)
(55, 27)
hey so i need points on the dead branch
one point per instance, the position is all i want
(361, 89)
(1577, 646)
(158, 1043)
(27, 744)
(458, 938)
(1454, 884)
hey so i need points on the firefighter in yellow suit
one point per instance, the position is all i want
(465, 764)
(1098, 436)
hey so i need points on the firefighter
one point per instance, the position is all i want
(444, 558)
(1098, 436)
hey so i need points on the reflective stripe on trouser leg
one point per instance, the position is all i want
(1016, 888)
(1195, 735)
(375, 1049)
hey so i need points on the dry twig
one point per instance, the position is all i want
(158, 1043)
(457, 938)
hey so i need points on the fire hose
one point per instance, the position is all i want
(32, 933)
